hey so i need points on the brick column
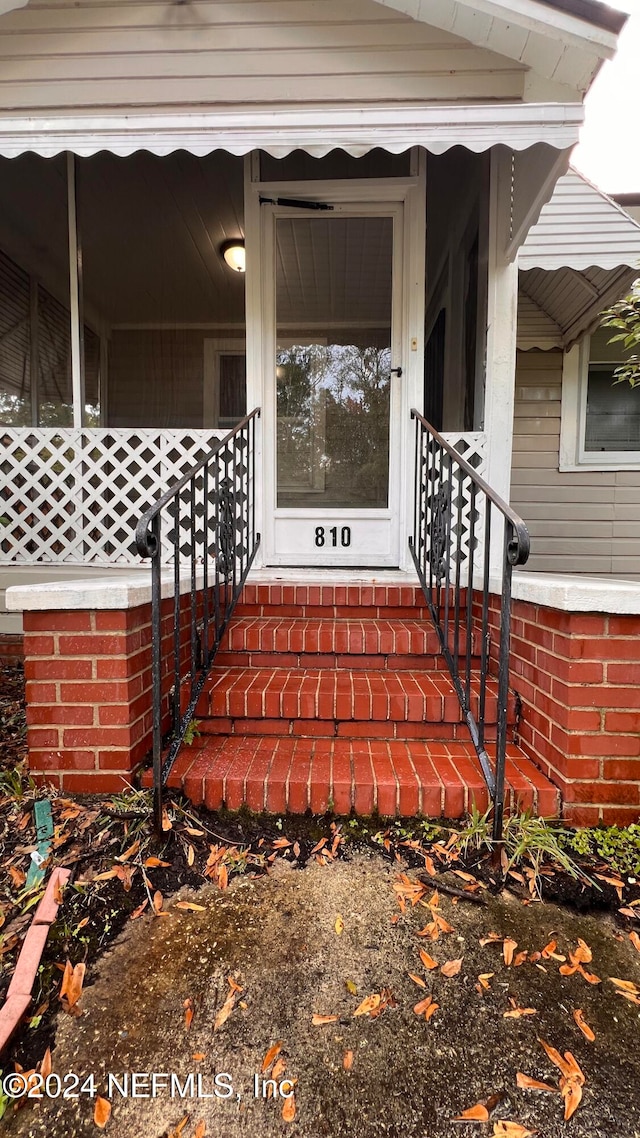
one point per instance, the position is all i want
(578, 678)
(88, 695)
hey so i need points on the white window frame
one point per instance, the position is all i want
(573, 418)
(213, 349)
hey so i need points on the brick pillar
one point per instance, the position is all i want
(578, 676)
(88, 695)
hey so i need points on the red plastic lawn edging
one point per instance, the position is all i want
(19, 992)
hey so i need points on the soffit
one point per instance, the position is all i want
(572, 300)
(564, 41)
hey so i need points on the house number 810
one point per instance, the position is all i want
(345, 536)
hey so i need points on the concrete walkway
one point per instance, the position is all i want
(395, 1074)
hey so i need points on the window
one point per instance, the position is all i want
(600, 425)
(225, 383)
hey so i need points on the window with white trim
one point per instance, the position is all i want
(600, 425)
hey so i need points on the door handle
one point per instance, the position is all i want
(396, 371)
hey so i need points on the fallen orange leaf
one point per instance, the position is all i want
(556, 1058)
(101, 1112)
(490, 938)
(289, 1109)
(200, 1130)
(191, 906)
(319, 1020)
(158, 901)
(74, 986)
(129, 852)
(347, 1060)
(46, 1065)
(270, 1056)
(279, 1068)
(572, 1095)
(426, 1007)
(525, 1082)
(508, 1129)
(635, 940)
(188, 1014)
(227, 1007)
(198, 1056)
(584, 1027)
(508, 948)
(368, 1005)
(477, 1113)
(624, 985)
(427, 960)
(452, 967)
(583, 953)
(517, 1012)
(339, 925)
(484, 978)
(431, 931)
(417, 980)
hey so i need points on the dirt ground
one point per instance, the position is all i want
(277, 938)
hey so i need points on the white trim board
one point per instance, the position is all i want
(280, 130)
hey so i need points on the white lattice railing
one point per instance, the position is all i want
(72, 495)
(472, 446)
(75, 496)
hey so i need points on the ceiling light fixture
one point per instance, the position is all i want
(234, 255)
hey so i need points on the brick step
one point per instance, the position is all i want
(333, 600)
(372, 643)
(368, 776)
(300, 701)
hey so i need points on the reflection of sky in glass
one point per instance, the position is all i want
(344, 369)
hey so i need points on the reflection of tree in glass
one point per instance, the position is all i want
(358, 421)
(300, 370)
(333, 410)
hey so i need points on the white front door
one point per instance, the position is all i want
(334, 376)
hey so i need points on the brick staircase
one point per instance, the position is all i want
(335, 697)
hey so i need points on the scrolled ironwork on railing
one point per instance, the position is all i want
(451, 549)
(207, 518)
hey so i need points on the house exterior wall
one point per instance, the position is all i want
(156, 376)
(579, 521)
(153, 54)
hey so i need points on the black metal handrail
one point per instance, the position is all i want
(212, 542)
(452, 520)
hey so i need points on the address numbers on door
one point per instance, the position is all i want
(333, 536)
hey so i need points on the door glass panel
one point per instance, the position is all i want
(333, 355)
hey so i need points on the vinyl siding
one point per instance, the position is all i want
(118, 53)
(580, 522)
(156, 377)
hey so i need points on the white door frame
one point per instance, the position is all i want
(374, 193)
